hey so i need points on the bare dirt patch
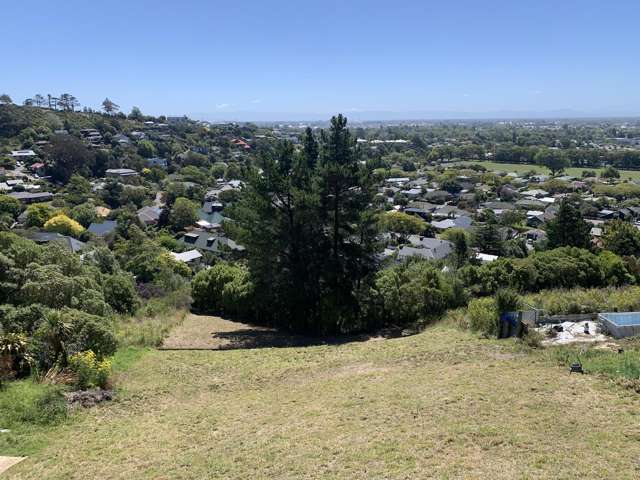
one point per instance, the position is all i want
(204, 332)
(7, 462)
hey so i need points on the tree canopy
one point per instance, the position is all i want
(308, 229)
(568, 228)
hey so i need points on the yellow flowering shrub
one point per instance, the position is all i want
(63, 225)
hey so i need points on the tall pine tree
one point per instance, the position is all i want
(306, 221)
(568, 228)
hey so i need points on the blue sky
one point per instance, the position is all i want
(279, 59)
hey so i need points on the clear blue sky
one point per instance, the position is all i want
(267, 58)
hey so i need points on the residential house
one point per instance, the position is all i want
(23, 154)
(535, 235)
(535, 218)
(536, 192)
(46, 237)
(406, 251)
(413, 192)
(425, 247)
(417, 212)
(91, 135)
(607, 214)
(447, 211)
(486, 257)
(190, 257)
(122, 139)
(120, 172)
(397, 181)
(29, 197)
(438, 196)
(149, 215)
(463, 222)
(157, 162)
(209, 242)
(539, 178)
(38, 169)
(103, 229)
(530, 204)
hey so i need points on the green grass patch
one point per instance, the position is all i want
(29, 410)
(126, 357)
(26, 401)
(523, 168)
(612, 364)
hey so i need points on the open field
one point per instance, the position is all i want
(441, 404)
(522, 168)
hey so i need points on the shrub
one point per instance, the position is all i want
(565, 267)
(89, 332)
(120, 293)
(412, 291)
(64, 225)
(622, 238)
(483, 316)
(593, 300)
(402, 223)
(223, 288)
(532, 339)
(85, 214)
(507, 300)
(9, 205)
(90, 372)
(21, 319)
(55, 286)
(38, 214)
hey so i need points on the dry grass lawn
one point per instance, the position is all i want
(441, 404)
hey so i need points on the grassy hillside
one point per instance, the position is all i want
(441, 404)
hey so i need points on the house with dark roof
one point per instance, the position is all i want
(458, 222)
(47, 237)
(425, 247)
(448, 211)
(149, 215)
(438, 196)
(418, 212)
(103, 229)
(209, 242)
(157, 162)
(28, 197)
(498, 206)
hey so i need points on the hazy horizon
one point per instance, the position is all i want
(409, 116)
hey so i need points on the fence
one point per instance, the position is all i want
(573, 317)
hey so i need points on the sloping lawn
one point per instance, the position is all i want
(441, 404)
